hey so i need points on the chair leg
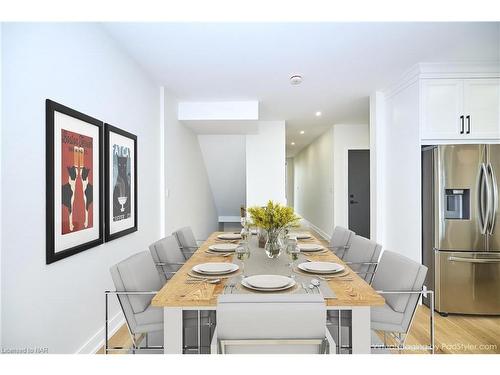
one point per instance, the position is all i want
(199, 332)
(432, 321)
(106, 323)
(339, 333)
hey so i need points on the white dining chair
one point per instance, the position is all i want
(362, 256)
(186, 240)
(400, 280)
(271, 324)
(167, 256)
(136, 281)
(341, 240)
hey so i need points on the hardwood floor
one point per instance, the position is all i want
(120, 338)
(455, 334)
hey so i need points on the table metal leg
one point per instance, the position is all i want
(172, 330)
(361, 330)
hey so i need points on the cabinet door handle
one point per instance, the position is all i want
(462, 124)
(468, 124)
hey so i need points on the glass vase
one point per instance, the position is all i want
(273, 245)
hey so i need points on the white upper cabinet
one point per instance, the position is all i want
(460, 109)
(482, 107)
(441, 108)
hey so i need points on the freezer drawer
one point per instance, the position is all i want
(467, 282)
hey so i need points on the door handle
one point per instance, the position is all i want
(462, 124)
(353, 202)
(468, 124)
(484, 184)
(494, 203)
(474, 260)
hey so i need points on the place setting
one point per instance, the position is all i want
(301, 236)
(212, 272)
(268, 283)
(324, 270)
(229, 237)
(222, 249)
(312, 249)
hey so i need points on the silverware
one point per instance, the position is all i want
(229, 287)
(218, 254)
(316, 283)
(305, 288)
(312, 288)
(208, 281)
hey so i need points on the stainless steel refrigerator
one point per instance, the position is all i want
(461, 227)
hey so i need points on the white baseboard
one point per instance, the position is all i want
(319, 231)
(97, 341)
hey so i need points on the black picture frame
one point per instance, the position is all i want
(52, 254)
(108, 236)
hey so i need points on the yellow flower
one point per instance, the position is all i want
(273, 216)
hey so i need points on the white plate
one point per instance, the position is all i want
(245, 284)
(321, 267)
(223, 247)
(268, 281)
(215, 268)
(307, 247)
(301, 236)
(229, 236)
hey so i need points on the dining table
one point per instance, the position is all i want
(348, 292)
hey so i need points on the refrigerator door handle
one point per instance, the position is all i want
(474, 260)
(494, 201)
(484, 183)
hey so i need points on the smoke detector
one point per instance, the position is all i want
(295, 79)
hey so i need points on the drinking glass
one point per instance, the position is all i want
(242, 253)
(293, 251)
(244, 233)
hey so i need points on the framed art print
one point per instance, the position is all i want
(121, 182)
(74, 173)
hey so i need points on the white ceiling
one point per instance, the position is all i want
(342, 63)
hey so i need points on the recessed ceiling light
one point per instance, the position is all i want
(318, 113)
(293, 143)
(295, 79)
(302, 132)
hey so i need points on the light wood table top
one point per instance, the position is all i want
(177, 293)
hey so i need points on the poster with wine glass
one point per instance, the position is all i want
(121, 182)
(74, 210)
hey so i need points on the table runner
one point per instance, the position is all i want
(260, 264)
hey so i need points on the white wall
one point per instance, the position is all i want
(377, 147)
(345, 138)
(265, 164)
(313, 179)
(225, 160)
(60, 306)
(1, 127)
(190, 201)
(289, 182)
(399, 198)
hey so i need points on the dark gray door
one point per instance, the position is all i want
(359, 191)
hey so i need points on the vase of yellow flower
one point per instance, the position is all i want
(274, 218)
